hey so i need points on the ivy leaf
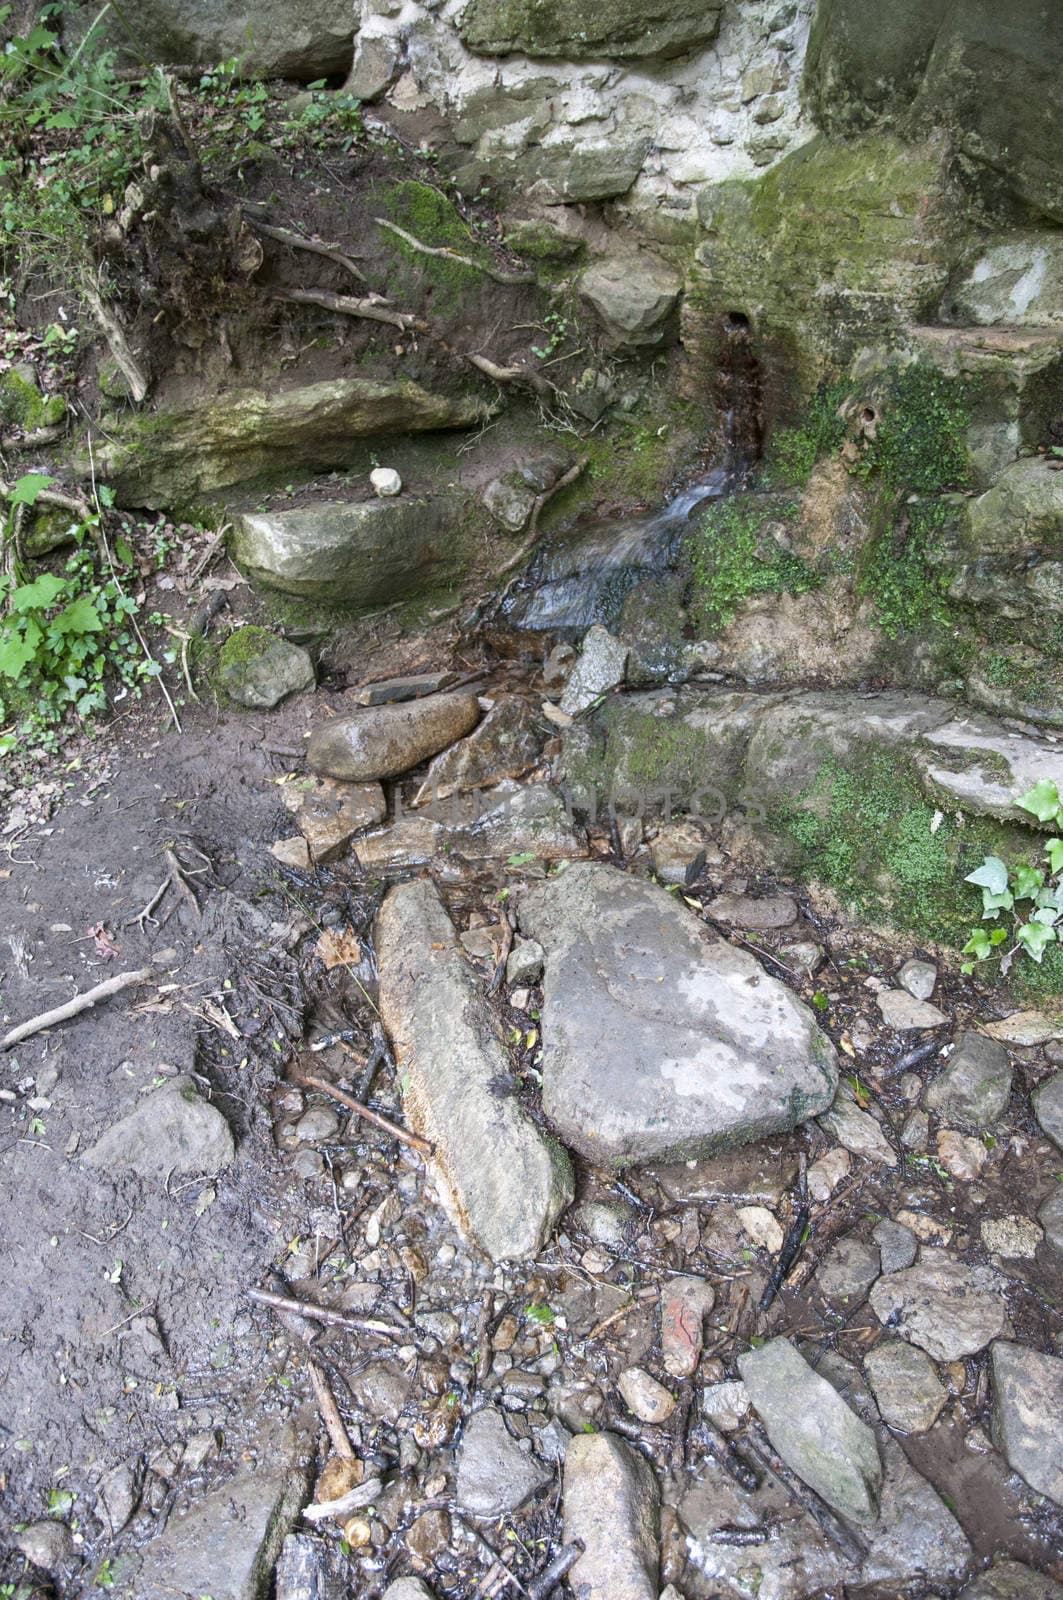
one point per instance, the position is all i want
(994, 904)
(80, 616)
(1054, 852)
(1026, 881)
(978, 945)
(991, 875)
(1042, 801)
(1035, 938)
(28, 487)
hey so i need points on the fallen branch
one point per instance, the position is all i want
(331, 1319)
(547, 1580)
(114, 333)
(372, 308)
(510, 279)
(339, 1510)
(299, 241)
(422, 1146)
(524, 375)
(565, 481)
(84, 1002)
(330, 1413)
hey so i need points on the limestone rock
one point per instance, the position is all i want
(1048, 1108)
(904, 1012)
(259, 670)
(678, 852)
(310, 40)
(329, 812)
(408, 1589)
(385, 482)
(1014, 1237)
(1050, 1217)
(506, 743)
(292, 852)
(610, 1505)
(600, 667)
(858, 1132)
(813, 1429)
(502, 1181)
(849, 1269)
(753, 911)
(381, 741)
(905, 1385)
(510, 504)
(171, 1130)
(647, 1399)
(1017, 282)
(525, 962)
(1027, 1407)
(249, 432)
(629, 29)
(896, 1245)
(413, 687)
(495, 1476)
(662, 1042)
(975, 1086)
(947, 1308)
(1012, 1580)
(45, 1544)
(523, 822)
(919, 978)
(633, 296)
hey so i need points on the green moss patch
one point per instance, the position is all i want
(793, 452)
(435, 221)
(733, 556)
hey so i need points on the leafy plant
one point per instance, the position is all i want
(734, 555)
(1030, 896)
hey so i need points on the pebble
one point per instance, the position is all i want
(904, 1012)
(974, 1088)
(905, 1385)
(825, 1174)
(748, 911)
(408, 1589)
(1024, 1028)
(649, 1400)
(317, 1125)
(915, 1131)
(858, 1132)
(525, 963)
(896, 1245)
(605, 1220)
(294, 852)
(961, 1156)
(1027, 1410)
(946, 1307)
(678, 852)
(919, 978)
(600, 667)
(47, 1543)
(848, 1270)
(1014, 1237)
(802, 956)
(429, 1536)
(495, 1476)
(726, 1404)
(1051, 1218)
(610, 1501)
(762, 1228)
(385, 481)
(685, 1303)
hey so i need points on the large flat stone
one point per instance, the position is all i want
(1028, 1414)
(381, 741)
(172, 1130)
(517, 822)
(627, 29)
(501, 1180)
(661, 1041)
(610, 1506)
(947, 1308)
(506, 744)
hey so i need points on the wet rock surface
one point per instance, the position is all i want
(506, 743)
(1027, 1402)
(974, 1088)
(945, 1307)
(610, 1505)
(382, 741)
(495, 1475)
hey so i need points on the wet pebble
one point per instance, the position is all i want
(647, 1399)
(47, 1543)
(906, 1387)
(896, 1245)
(919, 978)
(317, 1125)
(429, 1536)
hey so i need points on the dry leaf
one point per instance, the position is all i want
(339, 948)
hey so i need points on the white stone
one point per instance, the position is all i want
(385, 481)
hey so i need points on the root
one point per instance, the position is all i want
(509, 279)
(298, 241)
(371, 307)
(113, 332)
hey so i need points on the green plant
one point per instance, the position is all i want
(556, 327)
(326, 118)
(899, 573)
(793, 452)
(1032, 897)
(733, 556)
(919, 445)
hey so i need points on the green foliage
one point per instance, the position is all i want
(899, 573)
(733, 556)
(920, 445)
(1031, 896)
(793, 452)
(327, 119)
(433, 219)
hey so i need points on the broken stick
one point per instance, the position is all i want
(84, 1002)
(331, 1319)
(422, 1146)
(330, 1413)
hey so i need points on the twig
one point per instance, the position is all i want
(113, 332)
(510, 279)
(84, 1002)
(422, 1146)
(527, 375)
(607, 1322)
(566, 1558)
(145, 915)
(298, 241)
(209, 553)
(373, 309)
(793, 1241)
(330, 1414)
(331, 1319)
(483, 1343)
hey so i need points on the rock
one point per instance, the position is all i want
(902, 1011)
(226, 1542)
(1027, 1407)
(258, 670)
(500, 1178)
(749, 911)
(1017, 282)
(610, 1505)
(915, 1533)
(685, 1303)
(858, 1131)
(172, 1130)
(1016, 1238)
(506, 743)
(1051, 1218)
(962, 1157)
(919, 978)
(413, 687)
(46, 1544)
(302, 1571)
(382, 741)
(947, 1308)
(634, 296)
(293, 852)
(726, 1404)
(247, 433)
(625, 967)
(848, 1270)
(630, 29)
(408, 1589)
(825, 1174)
(429, 1536)
(525, 962)
(530, 822)
(761, 1228)
(896, 1245)
(647, 1399)
(813, 1429)
(510, 504)
(360, 555)
(495, 1476)
(915, 1132)
(317, 1125)
(1048, 1108)
(803, 955)
(905, 1386)
(678, 852)
(310, 41)
(328, 813)
(1011, 1580)
(975, 1086)
(381, 1390)
(1025, 1028)
(599, 668)
(753, 1175)
(385, 482)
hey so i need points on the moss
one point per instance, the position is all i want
(436, 221)
(734, 556)
(920, 444)
(23, 406)
(899, 572)
(793, 452)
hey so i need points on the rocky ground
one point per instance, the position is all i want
(569, 1350)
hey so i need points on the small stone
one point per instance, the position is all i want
(685, 1303)
(926, 1229)
(389, 691)
(849, 1269)
(317, 1125)
(1027, 1410)
(896, 1245)
(858, 1132)
(813, 1429)
(259, 670)
(1048, 1108)
(495, 1476)
(385, 482)
(510, 504)
(1011, 1580)
(803, 956)
(172, 1130)
(611, 1507)
(605, 1220)
(600, 668)
(905, 1385)
(429, 1536)
(1024, 1028)
(1014, 1237)
(525, 963)
(307, 1165)
(975, 1086)
(961, 1156)
(647, 1399)
(726, 1404)
(919, 978)
(915, 1131)
(47, 1544)
(1051, 1218)
(293, 852)
(506, 743)
(678, 852)
(825, 1174)
(383, 741)
(762, 1228)
(904, 1012)
(749, 911)
(408, 1589)
(947, 1308)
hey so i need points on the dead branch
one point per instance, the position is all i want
(210, 552)
(330, 1413)
(372, 308)
(331, 1319)
(522, 375)
(84, 1002)
(114, 333)
(515, 560)
(299, 241)
(422, 1146)
(509, 279)
(53, 497)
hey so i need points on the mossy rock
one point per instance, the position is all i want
(49, 528)
(587, 30)
(23, 406)
(259, 670)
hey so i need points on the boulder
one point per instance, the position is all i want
(1018, 282)
(610, 1505)
(329, 813)
(975, 1086)
(171, 1130)
(947, 1308)
(502, 1181)
(633, 297)
(308, 40)
(529, 822)
(381, 741)
(813, 1429)
(1027, 1408)
(662, 1042)
(506, 743)
(586, 30)
(259, 670)
(175, 455)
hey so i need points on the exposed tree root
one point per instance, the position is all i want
(299, 241)
(370, 307)
(114, 333)
(509, 279)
